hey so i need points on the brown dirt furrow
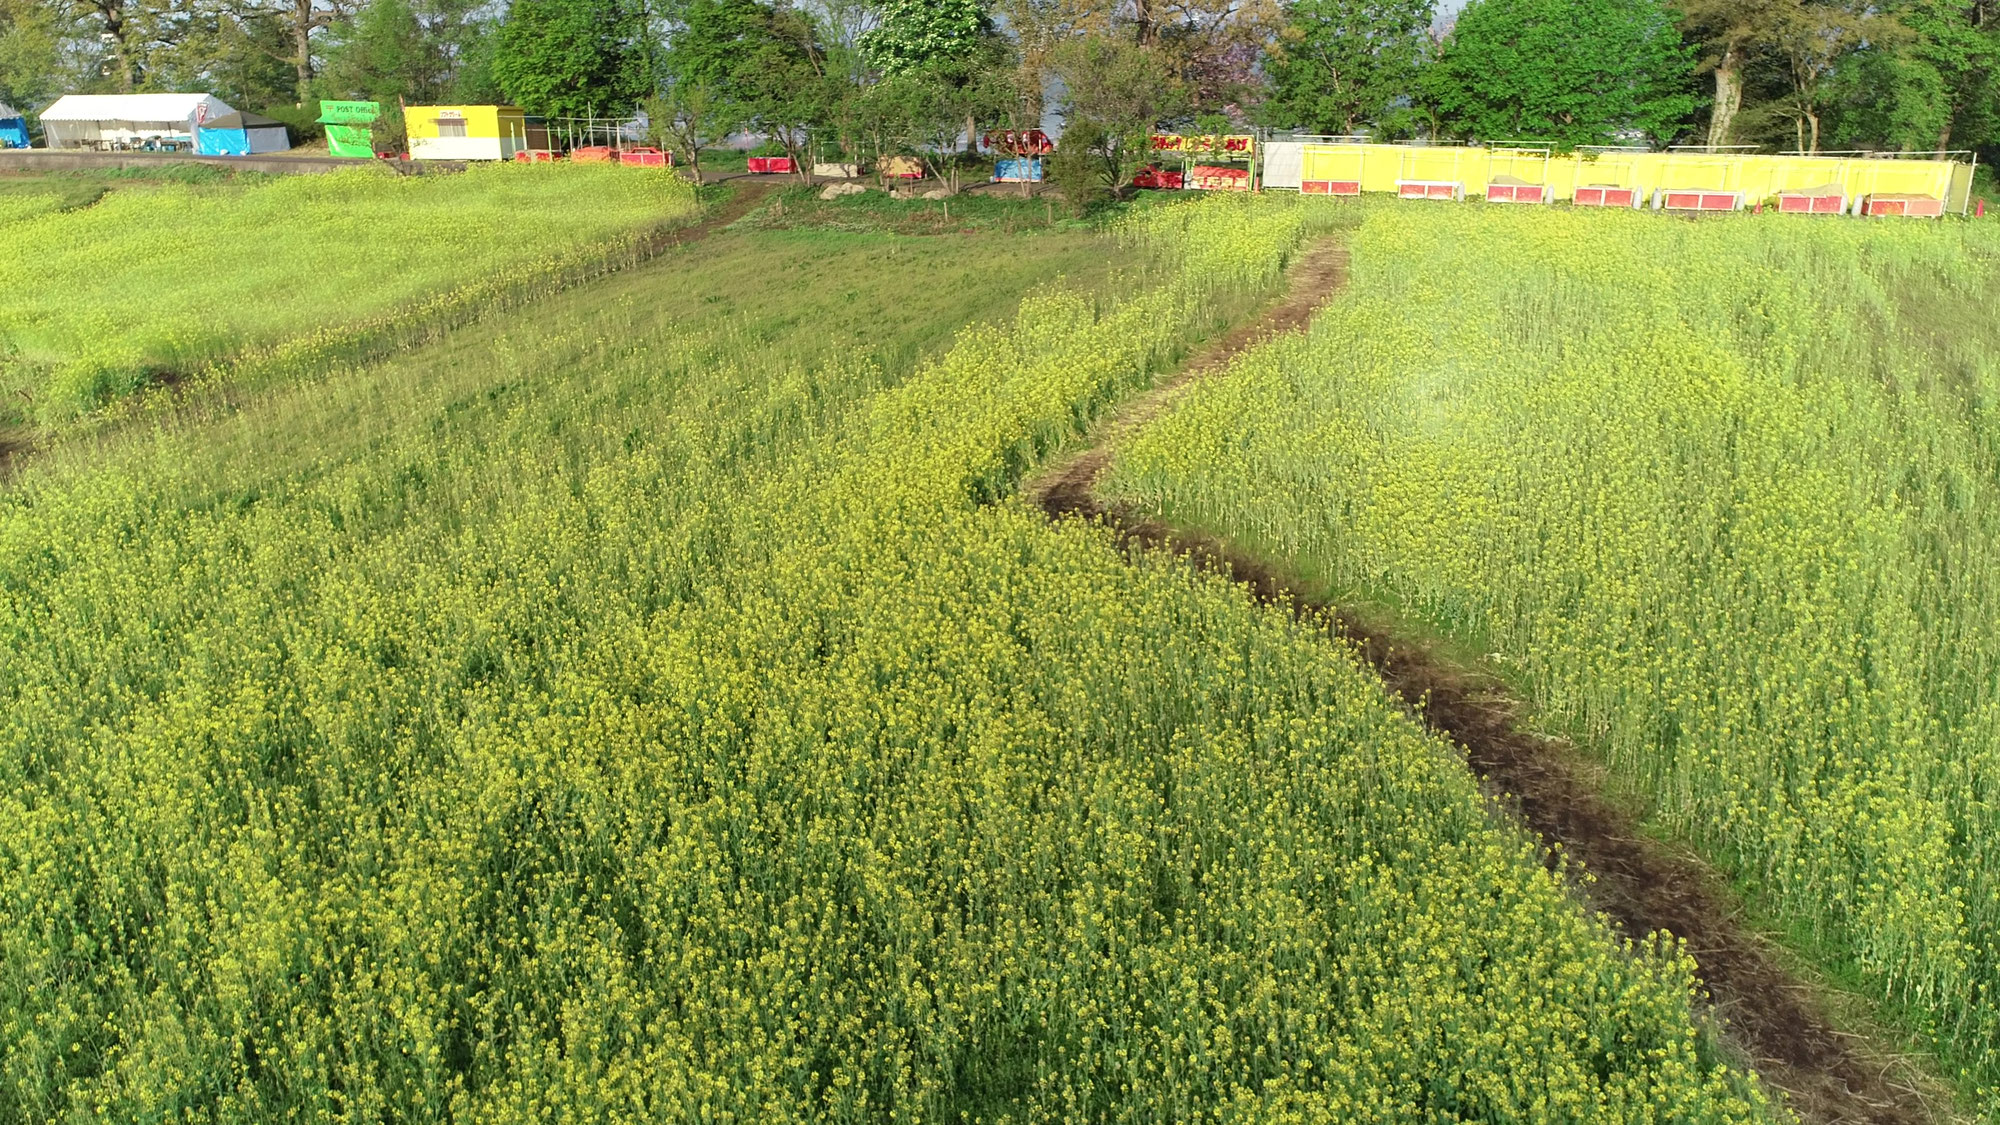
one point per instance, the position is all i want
(1830, 1077)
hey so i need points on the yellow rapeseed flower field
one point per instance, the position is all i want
(1724, 498)
(670, 728)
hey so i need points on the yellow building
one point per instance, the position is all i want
(465, 132)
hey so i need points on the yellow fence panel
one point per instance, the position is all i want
(1332, 168)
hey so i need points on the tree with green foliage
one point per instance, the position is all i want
(917, 34)
(1339, 66)
(1115, 93)
(1932, 86)
(1729, 35)
(384, 55)
(423, 51)
(937, 105)
(689, 115)
(31, 53)
(766, 61)
(710, 38)
(575, 58)
(1812, 42)
(1573, 72)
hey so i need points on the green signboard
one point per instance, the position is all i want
(347, 127)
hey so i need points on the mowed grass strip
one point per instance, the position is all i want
(156, 281)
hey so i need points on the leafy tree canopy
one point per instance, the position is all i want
(1575, 72)
(571, 58)
(914, 34)
(1339, 66)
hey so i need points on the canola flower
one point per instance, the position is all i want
(178, 280)
(1724, 498)
(659, 735)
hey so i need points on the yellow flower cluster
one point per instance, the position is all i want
(1724, 498)
(672, 731)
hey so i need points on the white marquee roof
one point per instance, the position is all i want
(132, 107)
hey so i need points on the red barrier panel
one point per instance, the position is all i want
(1208, 178)
(1601, 196)
(1695, 199)
(534, 156)
(1430, 189)
(1330, 187)
(1516, 193)
(646, 158)
(1800, 203)
(1907, 206)
(770, 165)
(592, 154)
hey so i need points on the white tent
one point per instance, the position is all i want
(128, 120)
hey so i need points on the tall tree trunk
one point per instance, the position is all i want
(1143, 22)
(1728, 96)
(1944, 136)
(1814, 118)
(113, 13)
(302, 25)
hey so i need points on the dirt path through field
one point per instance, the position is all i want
(1831, 1077)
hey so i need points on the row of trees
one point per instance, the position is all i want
(1811, 74)
(1804, 74)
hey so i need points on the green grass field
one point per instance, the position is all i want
(160, 281)
(644, 707)
(1723, 499)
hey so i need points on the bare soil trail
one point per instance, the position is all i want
(1830, 1076)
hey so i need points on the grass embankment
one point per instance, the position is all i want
(160, 281)
(640, 713)
(1722, 498)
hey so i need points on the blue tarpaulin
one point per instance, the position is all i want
(240, 134)
(13, 128)
(1015, 170)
